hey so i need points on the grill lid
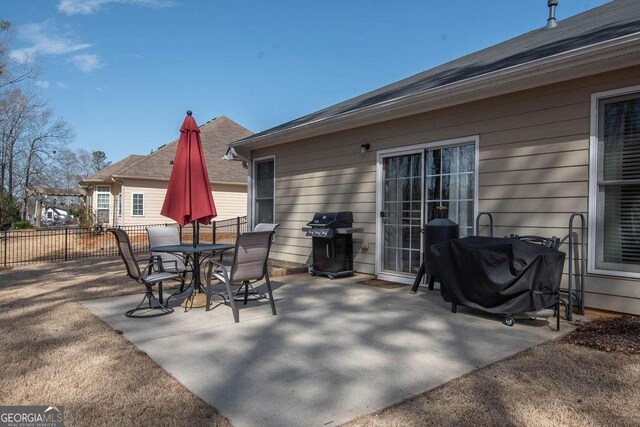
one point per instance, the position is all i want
(332, 219)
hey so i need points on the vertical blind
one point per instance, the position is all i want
(620, 183)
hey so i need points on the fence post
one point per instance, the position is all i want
(213, 230)
(6, 239)
(66, 243)
(237, 227)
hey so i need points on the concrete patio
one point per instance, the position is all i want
(335, 351)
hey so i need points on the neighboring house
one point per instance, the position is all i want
(532, 130)
(53, 214)
(131, 191)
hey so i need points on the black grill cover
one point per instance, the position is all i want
(498, 275)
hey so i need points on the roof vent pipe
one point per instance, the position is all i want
(551, 22)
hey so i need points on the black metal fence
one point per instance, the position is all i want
(54, 244)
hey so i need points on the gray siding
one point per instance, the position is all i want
(533, 170)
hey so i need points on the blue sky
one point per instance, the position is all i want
(123, 72)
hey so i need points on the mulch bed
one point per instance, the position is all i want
(619, 334)
(377, 283)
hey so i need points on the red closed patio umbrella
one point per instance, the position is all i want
(188, 198)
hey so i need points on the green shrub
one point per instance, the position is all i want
(23, 224)
(9, 209)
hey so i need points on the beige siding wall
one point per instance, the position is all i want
(154, 192)
(230, 201)
(533, 171)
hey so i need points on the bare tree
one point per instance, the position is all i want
(17, 111)
(29, 133)
(12, 72)
(42, 135)
(12, 110)
(85, 164)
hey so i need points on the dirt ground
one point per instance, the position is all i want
(621, 334)
(55, 352)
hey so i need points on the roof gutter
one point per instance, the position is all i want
(120, 179)
(593, 59)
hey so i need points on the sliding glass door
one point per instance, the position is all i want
(411, 185)
(401, 213)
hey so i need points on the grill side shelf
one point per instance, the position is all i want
(346, 230)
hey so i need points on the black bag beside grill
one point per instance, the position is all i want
(503, 276)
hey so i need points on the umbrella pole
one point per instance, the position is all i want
(196, 260)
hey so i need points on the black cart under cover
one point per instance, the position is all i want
(498, 275)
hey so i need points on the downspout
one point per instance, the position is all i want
(115, 214)
(232, 154)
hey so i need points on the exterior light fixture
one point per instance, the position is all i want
(365, 147)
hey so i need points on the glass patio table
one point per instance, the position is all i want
(199, 253)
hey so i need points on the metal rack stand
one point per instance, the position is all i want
(575, 288)
(480, 214)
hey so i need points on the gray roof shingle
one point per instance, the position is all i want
(105, 174)
(215, 135)
(607, 22)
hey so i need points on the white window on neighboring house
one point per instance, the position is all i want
(103, 200)
(137, 204)
(264, 174)
(614, 232)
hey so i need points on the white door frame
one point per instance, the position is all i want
(413, 149)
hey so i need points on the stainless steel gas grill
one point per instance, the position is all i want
(332, 235)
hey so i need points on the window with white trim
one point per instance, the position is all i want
(103, 200)
(137, 204)
(616, 185)
(264, 191)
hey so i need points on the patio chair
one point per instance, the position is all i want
(227, 257)
(265, 226)
(172, 263)
(249, 266)
(149, 279)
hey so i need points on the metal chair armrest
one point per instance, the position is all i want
(222, 270)
(150, 263)
(156, 263)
